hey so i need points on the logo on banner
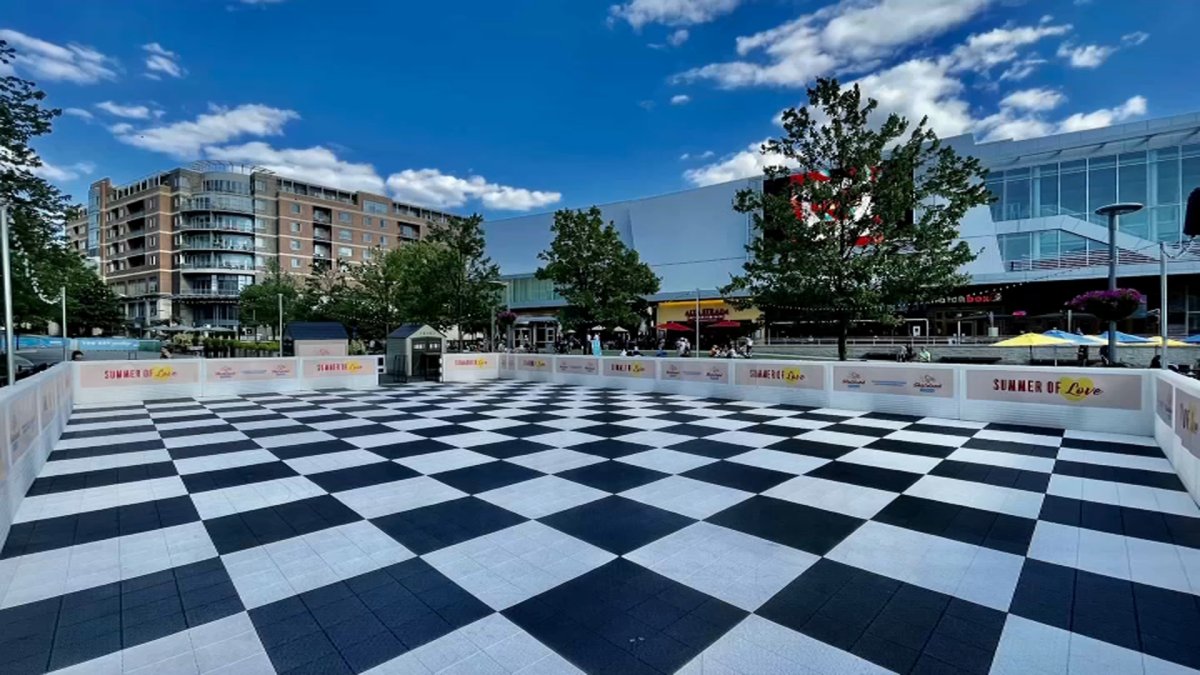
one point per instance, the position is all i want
(282, 370)
(854, 380)
(927, 384)
(672, 371)
(785, 375)
(1075, 390)
(225, 373)
(1070, 389)
(633, 368)
(340, 367)
(475, 363)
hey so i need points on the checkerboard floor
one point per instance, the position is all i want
(536, 528)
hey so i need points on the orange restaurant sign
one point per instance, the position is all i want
(130, 374)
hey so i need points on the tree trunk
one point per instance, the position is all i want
(843, 333)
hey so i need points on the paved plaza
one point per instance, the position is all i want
(523, 527)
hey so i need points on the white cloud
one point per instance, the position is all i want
(1134, 107)
(121, 128)
(1036, 99)
(1085, 56)
(920, 88)
(316, 164)
(78, 112)
(678, 37)
(685, 157)
(671, 12)
(431, 187)
(56, 173)
(850, 36)
(680, 99)
(646, 104)
(984, 51)
(43, 60)
(219, 125)
(706, 154)
(743, 164)
(1135, 38)
(1021, 68)
(160, 60)
(133, 112)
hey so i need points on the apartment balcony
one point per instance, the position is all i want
(323, 218)
(207, 294)
(217, 202)
(322, 234)
(221, 224)
(215, 245)
(214, 266)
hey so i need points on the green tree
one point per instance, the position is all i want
(856, 262)
(258, 305)
(91, 303)
(37, 208)
(467, 288)
(602, 279)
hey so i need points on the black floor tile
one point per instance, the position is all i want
(713, 449)
(197, 430)
(484, 477)
(1117, 474)
(1000, 531)
(105, 449)
(410, 449)
(276, 523)
(804, 527)
(361, 476)
(1027, 449)
(610, 448)
(739, 476)
(929, 428)
(62, 531)
(611, 476)
(133, 426)
(856, 429)
(434, 527)
(242, 475)
(210, 449)
(866, 476)
(617, 524)
(800, 446)
(911, 447)
(1025, 429)
(100, 478)
(1116, 448)
(624, 618)
(1002, 476)
(299, 450)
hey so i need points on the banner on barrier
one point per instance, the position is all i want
(340, 367)
(695, 371)
(22, 422)
(470, 362)
(629, 368)
(539, 364)
(935, 382)
(48, 394)
(806, 376)
(1100, 390)
(1162, 399)
(247, 370)
(581, 365)
(1187, 421)
(102, 374)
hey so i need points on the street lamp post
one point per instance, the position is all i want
(492, 335)
(1113, 212)
(10, 339)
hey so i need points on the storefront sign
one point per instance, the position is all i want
(248, 370)
(1162, 399)
(756, 374)
(639, 368)
(362, 365)
(578, 365)
(901, 381)
(1100, 390)
(1187, 421)
(710, 311)
(22, 422)
(535, 363)
(695, 371)
(135, 374)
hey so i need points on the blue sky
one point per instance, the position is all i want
(531, 105)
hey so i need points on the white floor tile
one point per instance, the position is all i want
(692, 498)
(778, 460)
(830, 495)
(542, 496)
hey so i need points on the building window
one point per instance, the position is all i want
(260, 206)
(260, 185)
(295, 245)
(374, 207)
(366, 255)
(295, 263)
(382, 224)
(366, 237)
(367, 221)
(345, 252)
(295, 207)
(383, 240)
(345, 235)
(295, 226)
(344, 217)
(1102, 185)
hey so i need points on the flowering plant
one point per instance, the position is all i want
(1108, 305)
(506, 317)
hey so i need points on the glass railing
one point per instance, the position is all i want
(192, 245)
(207, 224)
(214, 265)
(217, 202)
(207, 292)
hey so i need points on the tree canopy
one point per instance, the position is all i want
(867, 223)
(42, 263)
(258, 304)
(602, 279)
(461, 276)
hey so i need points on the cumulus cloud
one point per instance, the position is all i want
(219, 125)
(78, 112)
(1135, 106)
(1036, 99)
(848, 36)
(743, 164)
(133, 112)
(678, 37)
(431, 187)
(1085, 56)
(53, 172)
(1135, 38)
(316, 164)
(680, 99)
(160, 61)
(42, 60)
(638, 13)
(984, 51)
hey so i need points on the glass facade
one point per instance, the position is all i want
(1059, 246)
(1076, 188)
(531, 291)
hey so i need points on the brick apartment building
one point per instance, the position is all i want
(180, 245)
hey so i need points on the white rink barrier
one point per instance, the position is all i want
(470, 367)
(104, 381)
(1071, 398)
(1177, 425)
(34, 413)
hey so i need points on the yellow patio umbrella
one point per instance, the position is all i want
(1032, 340)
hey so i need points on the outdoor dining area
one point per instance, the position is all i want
(1083, 344)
